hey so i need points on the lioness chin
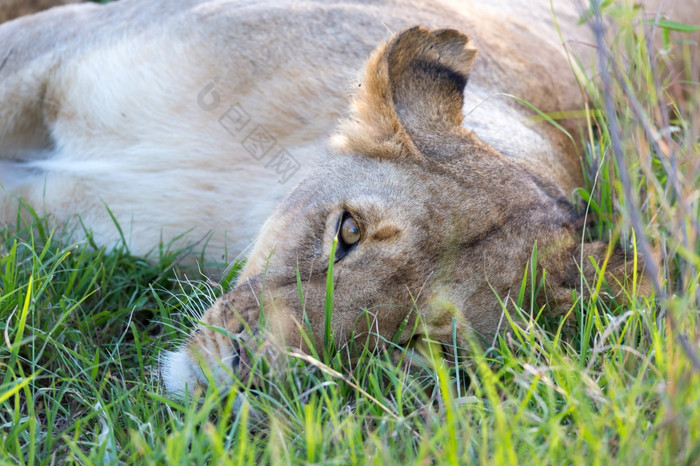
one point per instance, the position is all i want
(201, 117)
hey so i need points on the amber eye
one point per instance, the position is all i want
(349, 231)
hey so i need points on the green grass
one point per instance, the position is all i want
(81, 329)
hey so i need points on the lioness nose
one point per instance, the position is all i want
(234, 317)
(245, 345)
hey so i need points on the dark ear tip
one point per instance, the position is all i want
(448, 47)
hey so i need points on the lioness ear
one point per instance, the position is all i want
(410, 96)
(619, 273)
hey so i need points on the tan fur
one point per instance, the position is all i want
(450, 186)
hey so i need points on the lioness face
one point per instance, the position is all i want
(431, 224)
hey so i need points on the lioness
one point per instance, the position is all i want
(199, 117)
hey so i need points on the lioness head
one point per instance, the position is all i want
(431, 224)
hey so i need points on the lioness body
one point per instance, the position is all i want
(199, 117)
(149, 117)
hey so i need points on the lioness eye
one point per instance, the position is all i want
(349, 232)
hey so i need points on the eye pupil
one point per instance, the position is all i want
(349, 231)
